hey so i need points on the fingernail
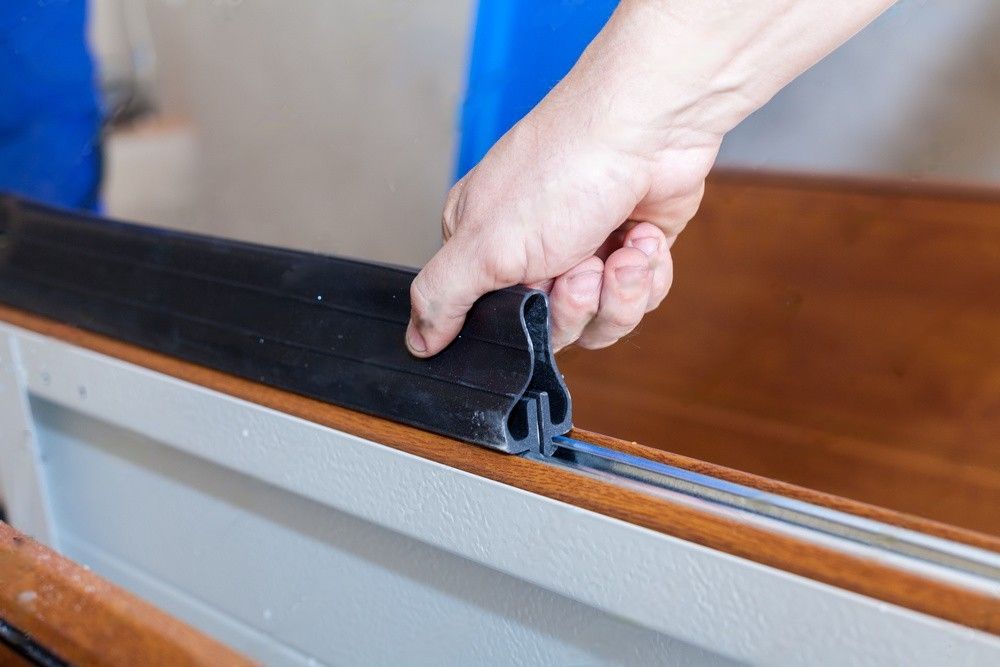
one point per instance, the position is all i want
(631, 276)
(647, 244)
(414, 340)
(585, 283)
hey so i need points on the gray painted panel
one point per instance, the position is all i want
(705, 598)
(22, 481)
(320, 581)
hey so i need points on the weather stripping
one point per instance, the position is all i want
(326, 327)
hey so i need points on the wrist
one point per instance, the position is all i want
(667, 74)
(647, 84)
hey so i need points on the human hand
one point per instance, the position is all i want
(586, 195)
(558, 206)
(578, 200)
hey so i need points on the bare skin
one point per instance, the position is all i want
(585, 196)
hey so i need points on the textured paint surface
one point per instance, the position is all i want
(317, 581)
(22, 484)
(689, 595)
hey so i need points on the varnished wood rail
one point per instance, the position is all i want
(71, 614)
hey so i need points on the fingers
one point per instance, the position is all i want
(627, 279)
(442, 294)
(574, 301)
(595, 303)
(653, 243)
(599, 302)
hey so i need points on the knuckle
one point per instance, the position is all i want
(452, 213)
(577, 307)
(448, 225)
(573, 313)
(622, 320)
(454, 197)
(497, 261)
(645, 229)
(596, 343)
(565, 329)
(419, 302)
(560, 342)
(687, 209)
(657, 298)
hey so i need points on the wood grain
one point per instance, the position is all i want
(696, 524)
(85, 620)
(838, 334)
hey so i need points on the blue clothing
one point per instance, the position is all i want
(520, 50)
(49, 116)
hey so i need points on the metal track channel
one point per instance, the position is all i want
(655, 477)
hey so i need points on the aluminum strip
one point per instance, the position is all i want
(585, 456)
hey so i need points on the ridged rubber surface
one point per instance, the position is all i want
(326, 327)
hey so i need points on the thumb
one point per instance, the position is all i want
(442, 294)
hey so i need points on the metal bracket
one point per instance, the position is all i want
(327, 327)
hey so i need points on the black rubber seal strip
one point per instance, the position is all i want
(24, 645)
(326, 327)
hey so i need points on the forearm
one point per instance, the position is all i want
(699, 67)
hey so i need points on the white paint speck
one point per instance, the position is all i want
(26, 597)
(267, 614)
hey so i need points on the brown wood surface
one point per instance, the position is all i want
(10, 659)
(695, 524)
(841, 335)
(86, 620)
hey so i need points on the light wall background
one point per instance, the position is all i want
(330, 126)
(916, 95)
(320, 125)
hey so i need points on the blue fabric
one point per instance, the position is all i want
(49, 114)
(520, 50)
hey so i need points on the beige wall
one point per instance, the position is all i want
(916, 94)
(329, 125)
(322, 125)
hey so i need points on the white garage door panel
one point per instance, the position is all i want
(292, 540)
(328, 584)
